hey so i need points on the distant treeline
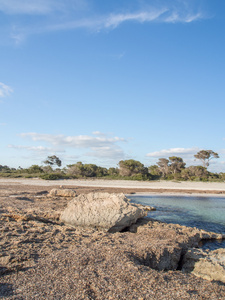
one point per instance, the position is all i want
(173, 168)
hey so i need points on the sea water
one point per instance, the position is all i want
(203, 212)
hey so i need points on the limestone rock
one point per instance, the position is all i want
(205, 235)
(207, 265)
(146, 207)
(111, 212)
(62, 193)
(159, 255)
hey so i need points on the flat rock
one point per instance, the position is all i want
(111, 212)
(62, 193)
(207, 265)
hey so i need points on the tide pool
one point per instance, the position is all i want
(204, 212)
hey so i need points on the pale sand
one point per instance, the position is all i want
(167, 185)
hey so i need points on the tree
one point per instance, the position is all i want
(53, 160)
(176, 164)
(194, 172)
(90, 170)
(47, 169)
(205, 156)
(101, 172)
(113, 171)
(131, 167)
(76, 169)
(86, 170)
(34, 169)
(154, 172)
(163, 164)
(4, 168)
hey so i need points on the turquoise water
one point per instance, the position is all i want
(194, 211)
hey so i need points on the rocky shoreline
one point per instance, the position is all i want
(42, 258)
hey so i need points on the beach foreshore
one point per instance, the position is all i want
(162, 186)
(41, 258)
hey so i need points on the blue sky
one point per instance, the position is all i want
(100, 81)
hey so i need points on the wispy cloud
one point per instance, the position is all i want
(25, 6)
(39, 7)
(55, 15)
(5, 90)
(35, 148)
(113, 20)
(174, 152)
(112, 153)
(175, 17)
(38, 148)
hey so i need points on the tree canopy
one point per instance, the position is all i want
(131, 167)
(205, 156)
(176, 164)
(172, 168)
(53, 160)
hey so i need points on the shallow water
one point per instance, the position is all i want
(194, 211)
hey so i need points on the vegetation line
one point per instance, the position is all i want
(173, 168)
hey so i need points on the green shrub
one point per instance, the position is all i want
(10, 175)
(28, 176)
(140, 177)
(51, 176)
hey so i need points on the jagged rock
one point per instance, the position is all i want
(111, 212)
(146, 207)
(62, 193)
(206, 235)
(160, 255)
(207, 265)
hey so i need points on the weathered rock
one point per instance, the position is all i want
(146, 207)
(62, 193)
(206, 235)
(160, 255)
(111, 212)
(207, 265)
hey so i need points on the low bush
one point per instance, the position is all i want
(51, 176)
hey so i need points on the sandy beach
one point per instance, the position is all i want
(163, 184)
(141, 186)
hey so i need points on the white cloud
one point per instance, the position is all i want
(99, 133)
(98, 145)
(81, 141)
(5, 90)
(174, 152)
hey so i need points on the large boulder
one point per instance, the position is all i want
(111, 212)
(207, 265)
